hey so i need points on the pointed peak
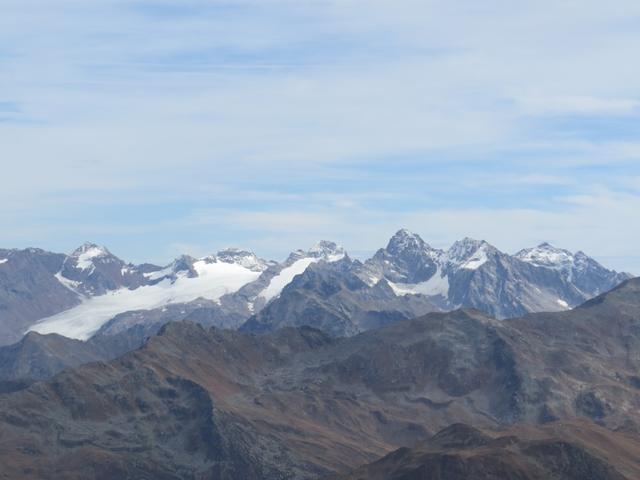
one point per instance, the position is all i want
(182, 263)
(83, 257)
(404, 233)
(404, 239)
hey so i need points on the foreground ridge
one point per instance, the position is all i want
(198, 402)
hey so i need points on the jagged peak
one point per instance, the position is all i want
(83, 257)
(322, 250)
(326, 249)
(467, 246)
(183, 263)
(244, 258)
(404, 239)
(406, 233)
(470, 253)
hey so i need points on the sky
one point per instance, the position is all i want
(165, 127)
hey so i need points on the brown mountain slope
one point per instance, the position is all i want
(576, 450)
(196, 403)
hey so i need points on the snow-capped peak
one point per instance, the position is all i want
(86, 253)
(325, 250)
(243, 258)
(546, 255)
(87, 247)
(469, 253)
(405, 240)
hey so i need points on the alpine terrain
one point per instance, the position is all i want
(448, 395)
(92, 292)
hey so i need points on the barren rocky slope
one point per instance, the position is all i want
(297, 403)
(576, 450)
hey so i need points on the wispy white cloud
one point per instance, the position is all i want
(579, 105)
(342, 117)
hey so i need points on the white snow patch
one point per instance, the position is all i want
(546, 255)
(438, 284)
(285, 277)
(165, 272)
(70, 284)
(214, 280)
(334, 257)
(371, 280)
(3, 260)
(478, 259)
(85, 259)
(562, 303)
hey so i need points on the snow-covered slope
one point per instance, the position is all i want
(285, 276)
(184, 280)
(437, 285)
(297, 263)
(213, 279)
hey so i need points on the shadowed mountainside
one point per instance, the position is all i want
(576, 450)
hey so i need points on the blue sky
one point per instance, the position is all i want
(164, 127)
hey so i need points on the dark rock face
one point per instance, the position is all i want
(38, 357)
(329, 296)
(589, 405)
(299, 403)
(406, 259)
(29, 290)
(93, 270)
(474, 274)
(583, 272)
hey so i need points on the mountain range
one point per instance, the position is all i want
(92, 292)
(452, 395)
